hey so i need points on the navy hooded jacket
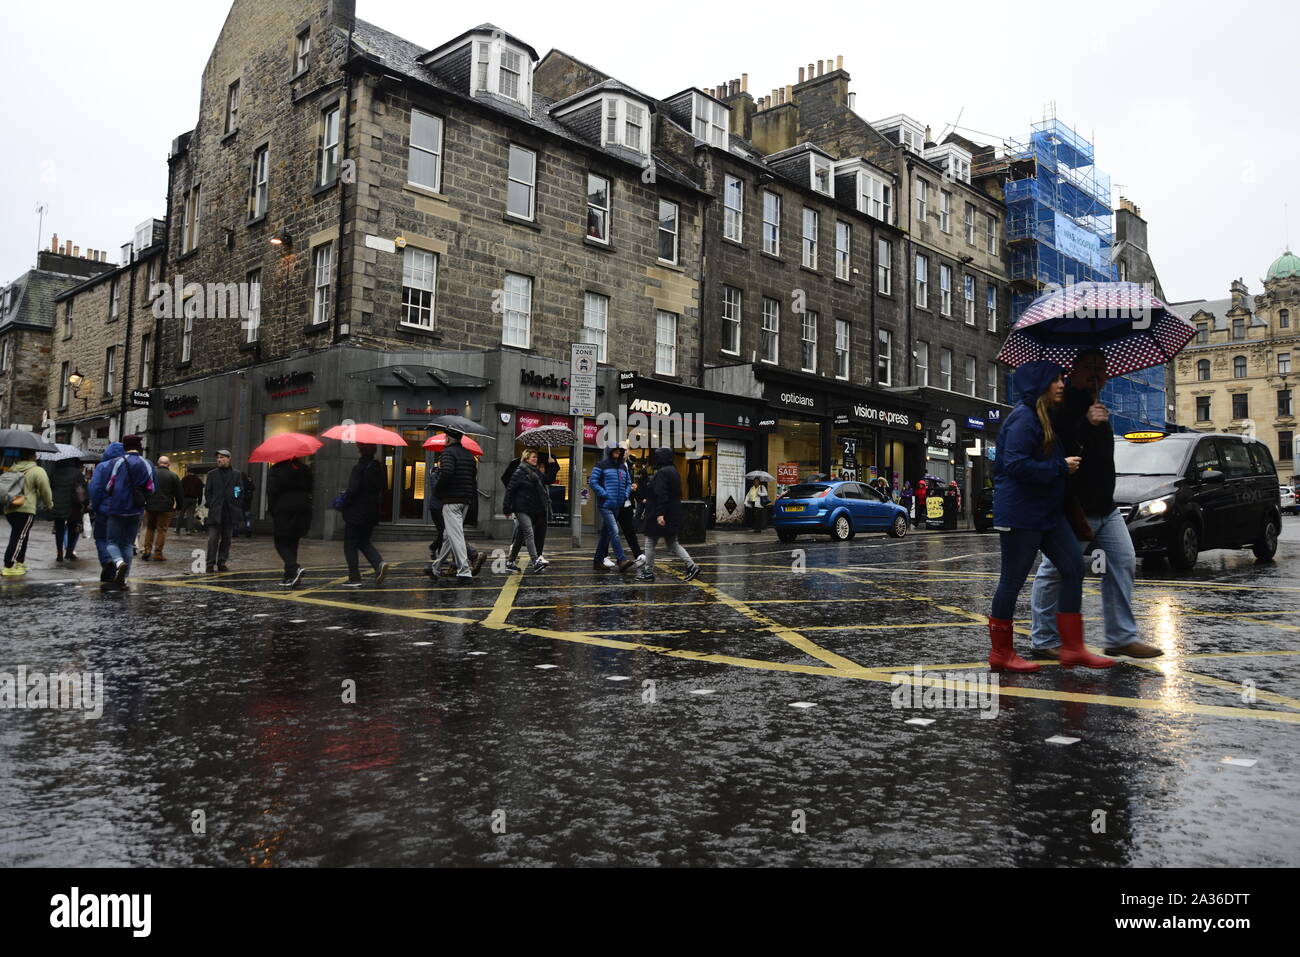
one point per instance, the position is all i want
(1029, 491)
(99, 477)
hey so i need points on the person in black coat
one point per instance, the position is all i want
(663, 516)
(68, 486)
(457, 489)
(529, 500)
(364, 497)
(288, 498)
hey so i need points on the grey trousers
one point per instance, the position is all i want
(453, 539)
(524, 532)
(672, 545)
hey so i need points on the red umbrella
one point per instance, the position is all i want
(363, 434)
(287, 445)
(439, 442)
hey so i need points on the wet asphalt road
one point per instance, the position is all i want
(511, 723)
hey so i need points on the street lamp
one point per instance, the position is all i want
(75, 381)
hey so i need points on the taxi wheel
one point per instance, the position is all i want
(1266, 547)
(842, 529)
(899, 528)
(1185, 546)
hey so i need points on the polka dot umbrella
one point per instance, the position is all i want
(1134, 328)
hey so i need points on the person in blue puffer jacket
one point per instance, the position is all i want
(611, 480)
(129, 482)
(1029, 513)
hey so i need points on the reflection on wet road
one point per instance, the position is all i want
(747, 717)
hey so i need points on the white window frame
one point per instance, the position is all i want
(945, 289)
(843, 340)
(597, 214)
(665, 347)
(922, 201)
(253, 321)
(64, 387)
(971, 375)
(922, 360)
(330, 118)
(260, 191)
(529, 184)
(146, 360)
(617, 122)
(771, 330)
(844, 251)
(419, 280)
(191, 208)
(1284, 360)
(322, 265)
(709, 118)
(808, 340)
(675, 232)
(884, 267)
(991, 307)
(732, 303)
(733, 216)
(818, 163)
(970, 224)
(595, 322)
(114, 298)
(945, 211)
(809, 238)
(991, 381)
(991, 235)
(516, 322)
(187, 338)
(875, 197)
(885, 354)
(232, 107)
(968, 293)
(921, 269)
(433, 150)
(489, 72)
(771, 227)
(110, 369)
(302, 52)
(945, 369)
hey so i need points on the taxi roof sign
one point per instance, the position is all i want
(1144, 436)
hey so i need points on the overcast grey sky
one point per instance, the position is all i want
(1191, 105)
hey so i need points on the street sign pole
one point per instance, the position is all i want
(583, 360)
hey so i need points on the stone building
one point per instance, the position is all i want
(102, 349)
(27, 316)
(1237, 375)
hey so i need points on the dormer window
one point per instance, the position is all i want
(874, 191)
(710, 120)
(504, 70)
(625, 124)
(821, 174)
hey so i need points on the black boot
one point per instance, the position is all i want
(106, 571)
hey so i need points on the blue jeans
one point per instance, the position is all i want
(99, 525)
(1019, 548)
(609, 535)
(120, 539)
(1116, 587)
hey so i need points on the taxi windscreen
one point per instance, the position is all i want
(1149, 458)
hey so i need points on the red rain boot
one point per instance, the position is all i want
(1072, 650)
(1003, 657)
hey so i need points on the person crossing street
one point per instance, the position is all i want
(456, 488)
(663, 516)
(30, 488)
(166, 498)
(611, 480)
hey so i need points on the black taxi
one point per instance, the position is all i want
(1188, 492)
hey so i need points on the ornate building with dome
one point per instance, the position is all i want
(1238, 374)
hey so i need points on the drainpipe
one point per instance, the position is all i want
(126, 353)
(345, 120)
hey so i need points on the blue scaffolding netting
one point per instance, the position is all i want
(1059, 232)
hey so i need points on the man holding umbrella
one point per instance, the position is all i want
(1084, 426)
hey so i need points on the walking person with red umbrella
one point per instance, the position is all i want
(362, 502)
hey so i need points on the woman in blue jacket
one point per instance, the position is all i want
(1029, 514)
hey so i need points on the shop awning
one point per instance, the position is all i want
(417, 377)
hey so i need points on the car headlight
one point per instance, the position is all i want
(1156, 506)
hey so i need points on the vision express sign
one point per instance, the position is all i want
(875, 415)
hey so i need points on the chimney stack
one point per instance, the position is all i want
(744, 83)
(76, 251)
(800, 74)
(789, 94)
(54, 243)
(839, 61)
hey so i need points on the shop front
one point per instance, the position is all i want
(875, 439)
(715, 439)
(961, 440)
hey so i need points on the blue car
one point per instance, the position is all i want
(837, 509)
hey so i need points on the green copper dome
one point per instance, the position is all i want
(1288, 264)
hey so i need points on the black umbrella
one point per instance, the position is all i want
(458, 423)
(21, 439)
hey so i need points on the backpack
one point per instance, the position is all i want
(139, 493)
(12, 484)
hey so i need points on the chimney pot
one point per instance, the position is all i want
(744, 82)
(839, 61)
(810, 71)
(54, 243)
(800, 74)
(76, 251)
(789, 94)
(819, 68)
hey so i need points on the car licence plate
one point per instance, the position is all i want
(794, 508)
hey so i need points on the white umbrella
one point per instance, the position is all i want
(761, 475)
(64, 452)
